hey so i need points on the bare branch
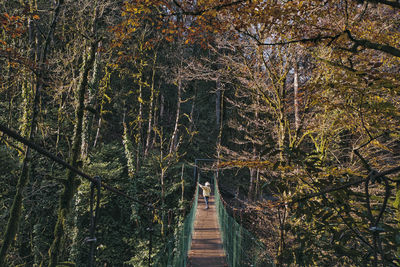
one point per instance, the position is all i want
(373, 176)
(394, 4)
(316, 39)
(202, 11)
(375, 46)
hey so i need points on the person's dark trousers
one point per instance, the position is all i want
(206, 200)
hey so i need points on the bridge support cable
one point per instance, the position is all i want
(175, 250)
(241, 247)
(60, 161)
(196, 168)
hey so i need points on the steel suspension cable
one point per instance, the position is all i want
(46, 153)
(183, 243)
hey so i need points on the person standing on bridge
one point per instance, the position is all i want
(206, 192)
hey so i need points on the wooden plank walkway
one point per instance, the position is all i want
(206, 249)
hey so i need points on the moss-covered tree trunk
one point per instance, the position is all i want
(70, 184)
(15, 213)
(16, 208)
(90, 102)
(254, 172)
(77, 254)
(139, 121)
(142, 83)
(128, 150)
(296, 94)
(174, 138)
(162, 182)
(104, 84)
(220, 126)
(153, 95)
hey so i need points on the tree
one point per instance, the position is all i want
(12, 225)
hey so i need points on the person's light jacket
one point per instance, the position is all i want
(206, 190)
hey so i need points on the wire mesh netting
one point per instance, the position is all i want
(241, 247)
(175, 250)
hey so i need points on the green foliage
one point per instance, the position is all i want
(296, 152)
(113, 222)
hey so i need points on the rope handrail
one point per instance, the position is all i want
(241, 247)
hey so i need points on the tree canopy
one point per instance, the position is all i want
(298, 102)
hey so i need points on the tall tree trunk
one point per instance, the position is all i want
(96, 138)
(183, 183)
(76, 254)
(257, 186)
(282, 214)
(158, 113)
(282, 127)
(220, 126)
(174, 137)
(128, 149)
(151, 107)
(250, 195)
(15, 212)
(162, 106)
(89, 103)
(218, 105)
(70, 184)
(27, 94)
(191, 125)
(296, 95)
(281, 136)
(162, 183)
(104, 84)
(139, 120)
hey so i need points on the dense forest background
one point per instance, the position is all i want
(297, 100)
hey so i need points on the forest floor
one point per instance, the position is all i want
(206, 249)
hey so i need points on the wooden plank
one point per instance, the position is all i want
(207, 249)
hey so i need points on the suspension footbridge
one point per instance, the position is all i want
(209, 237)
